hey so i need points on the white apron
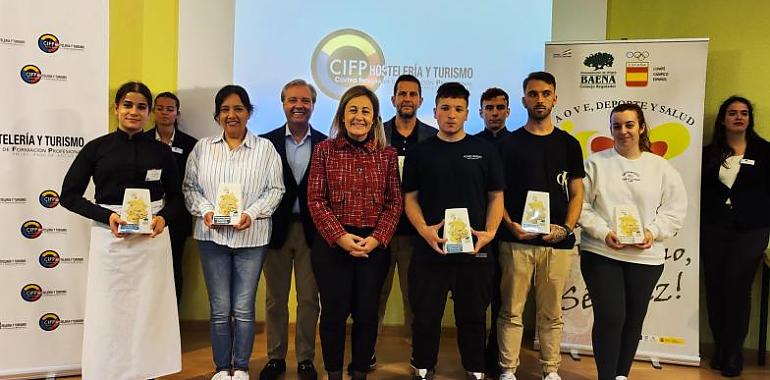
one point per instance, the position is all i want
(131, 327)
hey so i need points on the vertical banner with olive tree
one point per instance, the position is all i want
(667, 79)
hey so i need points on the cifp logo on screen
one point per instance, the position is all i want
(346, 58)
(49, 259)
(31, 292)
(49, 198)
(48, 43)
(49, 322)
(31, 229)
(31, 74)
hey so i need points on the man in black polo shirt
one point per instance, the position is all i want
(537, 157)
(451, 170)
(403, 132)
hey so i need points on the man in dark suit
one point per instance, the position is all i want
(403, 132)
(292, 238)
(166, 130)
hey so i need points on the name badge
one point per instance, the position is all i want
(153, 175)
(177, 149)
(747, 161)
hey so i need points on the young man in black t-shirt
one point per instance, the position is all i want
(451, 170)
(537, 157)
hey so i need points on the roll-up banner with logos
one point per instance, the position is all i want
(53, 75)
(667, 79)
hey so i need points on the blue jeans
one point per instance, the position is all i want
(231, 276)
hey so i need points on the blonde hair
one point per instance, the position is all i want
(377, 133)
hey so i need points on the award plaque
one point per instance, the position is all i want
(537, 213)
(457, 231)
(229, 206)
(628, 225)
(136, 211)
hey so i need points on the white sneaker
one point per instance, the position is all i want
(549, 376)
(240, 375)
(621, 378)
(474, 375)
(507, 375)
(422, 374)
(222, 375)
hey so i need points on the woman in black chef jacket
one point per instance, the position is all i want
(131, 328)
(735, 224)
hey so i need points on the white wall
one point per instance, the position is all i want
(579, 20)
(206, 34)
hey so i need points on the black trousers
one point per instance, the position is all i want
(471, 285)
(178, 239)
(492, 351)
(730, 259)
(348, 286)
(620, 293)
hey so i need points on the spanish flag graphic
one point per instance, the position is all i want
(637, 74)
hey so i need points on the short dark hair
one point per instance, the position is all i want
(491, 93)
(133, 86)
(407, 78)
(539, 75)
(452, 90)
(169, 95)
(228, 90)
(299, 82)
(644, 136)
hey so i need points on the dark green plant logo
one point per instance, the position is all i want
(599, 61)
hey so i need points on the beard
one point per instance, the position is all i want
(406, 114)
(534, 115)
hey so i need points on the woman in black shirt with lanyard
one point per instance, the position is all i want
(735, 224)
(131, 328)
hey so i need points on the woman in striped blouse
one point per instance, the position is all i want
(232, 254)
(355, 201)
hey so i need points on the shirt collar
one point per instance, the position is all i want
(341, 142)
(500, 132)
(125, 136)
(248, 142)
(290, 136)
(170, 141)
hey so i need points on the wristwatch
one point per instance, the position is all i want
(568, 229)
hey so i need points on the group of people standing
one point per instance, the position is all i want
(344, 213)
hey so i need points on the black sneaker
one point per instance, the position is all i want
(306, 370)
(372, 366)
(273, 369)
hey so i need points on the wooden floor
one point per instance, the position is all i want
(393, 354)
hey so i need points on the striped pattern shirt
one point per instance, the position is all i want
(256, 165)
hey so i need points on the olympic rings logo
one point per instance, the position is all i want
(640, 55)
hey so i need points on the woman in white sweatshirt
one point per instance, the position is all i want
(621, 268)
